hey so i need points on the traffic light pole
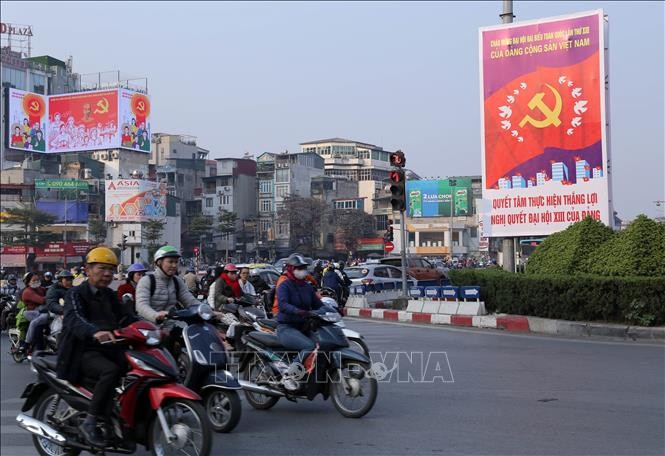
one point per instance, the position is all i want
(402, 236)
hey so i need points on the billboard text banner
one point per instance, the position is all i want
(431, 198)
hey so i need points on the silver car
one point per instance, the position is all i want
(370, 274)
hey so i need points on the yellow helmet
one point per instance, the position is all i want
(101, 255)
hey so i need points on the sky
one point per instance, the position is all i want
(266, 76)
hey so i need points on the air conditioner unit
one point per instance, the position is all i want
(115, 154)
(227, 189)
(220, 193)
(87, 173)
(103, 155)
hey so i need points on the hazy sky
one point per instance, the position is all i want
(255, 77)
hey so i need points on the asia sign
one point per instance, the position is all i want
(82, 121)
(134, 200)
(544, 146)
(432, 198)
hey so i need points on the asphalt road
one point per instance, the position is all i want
(501, 394)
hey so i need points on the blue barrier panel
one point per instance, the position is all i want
(378, 287)
(358, 289)
(416, 292)
(470, 293)
(432, 292)
(451, 293)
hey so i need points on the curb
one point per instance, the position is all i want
(516, 323)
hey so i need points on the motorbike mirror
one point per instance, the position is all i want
(127, 298)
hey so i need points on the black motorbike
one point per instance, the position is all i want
(203, 366)
(333, 369)
(8, 311)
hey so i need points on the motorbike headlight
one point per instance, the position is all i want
(205, 312)
(152, 337)
(331, 317)
(142, 365)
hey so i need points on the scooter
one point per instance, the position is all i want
(150, 407)
(203, 366)
(332, 369)
(8, 311)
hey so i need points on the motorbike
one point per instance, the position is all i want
(332, 370)
(202, 366)
(150, 407)
(49, 337)
(8, 310)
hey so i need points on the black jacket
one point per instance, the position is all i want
(78, 332)
(53, 296)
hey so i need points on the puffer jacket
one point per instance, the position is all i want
(164, 297)
(53, 297)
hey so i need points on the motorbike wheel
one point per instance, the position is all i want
(45, 408)
(184, 367)
(258, 372)
(17, 355)
(359, 345)
(223, 409)
(363, 390)
(186, 419)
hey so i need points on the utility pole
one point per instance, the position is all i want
(452, 183)
(508, 244)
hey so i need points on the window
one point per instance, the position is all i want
(381, 222)
(395, 273)
(365, 174)
(282, 175)
(225, 200)
(473, 231)
(213, 171)
(38, 83)
(381, 272)
(16, 78)
(181, 179)
(175, 151)
(363, 154)
(265, 205)
(265, 225)
(208, 202)
(281, 191)
(265, 186)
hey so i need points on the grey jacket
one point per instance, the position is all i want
(165, 295)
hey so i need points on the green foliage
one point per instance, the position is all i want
(97, 229)
(30, 221)
(566, 252)
(582, 297)
(639, 250)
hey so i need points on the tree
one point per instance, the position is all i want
(227, 225)
(30, 220)
(354, 224)
(152, 231)
(200, 227)
(304, 217)
(97, 230)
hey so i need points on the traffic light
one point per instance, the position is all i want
(196, 251)
(397, 159)
(389, 231)
(397, 190)
(123, 244)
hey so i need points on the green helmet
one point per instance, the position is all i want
(165, 252)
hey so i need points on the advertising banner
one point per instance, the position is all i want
(432, 198)
(544, 147)
(134, 200)
(27, 120)
(56, 184)
(81, 121)
(74, 248)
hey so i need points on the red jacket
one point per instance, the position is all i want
(33, 297)
(126, 287)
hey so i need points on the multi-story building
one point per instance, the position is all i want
(504, 183)
(559, 172)
(519, 182)
(280, 176)
(582, 170)
(233, 189)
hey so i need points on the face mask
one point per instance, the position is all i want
(34, 285)
(300, 274)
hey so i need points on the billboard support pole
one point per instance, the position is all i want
(508, 245)
(402, 234)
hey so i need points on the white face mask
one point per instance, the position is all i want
(34, 285)
(300, 273)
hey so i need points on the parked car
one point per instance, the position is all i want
(373, 273)
(418, 268)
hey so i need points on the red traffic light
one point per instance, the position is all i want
(397, 159)
(396, 176)
(196, 250)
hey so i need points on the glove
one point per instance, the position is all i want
(302, 313)
(312, 313)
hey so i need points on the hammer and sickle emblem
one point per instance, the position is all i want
(103, 105)
(140, 106)
(34, 106)
(551, 115)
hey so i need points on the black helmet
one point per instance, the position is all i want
(296, 260)
(65, 274)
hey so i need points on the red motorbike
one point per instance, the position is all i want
(150, 407)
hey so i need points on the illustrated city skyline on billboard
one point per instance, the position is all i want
(80, 121)
(544, 145)
(134, 200)
(432, 198)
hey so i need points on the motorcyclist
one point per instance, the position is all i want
(33, 297)
(245, 284)
(213, 276)
(54, 294)
(333, 281)
(296, 299)
(191, 280)
(153, 304)
(47, 281)
(134, 273)
(227, 287)
(12, 287)
(346, 284)
(91, 313)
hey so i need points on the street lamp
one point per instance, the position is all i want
(451, 183)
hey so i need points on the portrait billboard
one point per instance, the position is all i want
(81, 121)
(544, 146)
(27, 120)
(432, 198)
(134, 200)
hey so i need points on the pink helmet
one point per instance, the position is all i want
(230, 268)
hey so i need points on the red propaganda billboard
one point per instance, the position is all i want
(544, 142)
(82, 121)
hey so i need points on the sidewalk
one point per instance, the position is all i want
(517, 323)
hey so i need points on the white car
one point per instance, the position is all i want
(370, 274)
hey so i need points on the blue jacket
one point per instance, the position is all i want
(294, 300)
(332, 280)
